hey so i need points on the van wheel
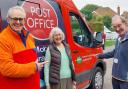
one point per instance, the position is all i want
(97, 80)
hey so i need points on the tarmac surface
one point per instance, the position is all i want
(108, 76)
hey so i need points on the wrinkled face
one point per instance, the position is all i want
(16, 20)
(119, 27)
(57, 38)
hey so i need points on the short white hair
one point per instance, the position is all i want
(19, 8)
(55, 31)
(119, 17)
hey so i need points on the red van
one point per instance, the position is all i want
(43, 15)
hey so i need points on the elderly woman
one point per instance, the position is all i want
(59, 73)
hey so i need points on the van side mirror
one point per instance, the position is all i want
(98, 39)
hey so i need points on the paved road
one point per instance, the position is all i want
(107, 78)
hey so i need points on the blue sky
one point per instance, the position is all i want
(105, 3)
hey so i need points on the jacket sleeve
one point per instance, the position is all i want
(11, 69)
(71, 64)
(46, 66)
(106, 55)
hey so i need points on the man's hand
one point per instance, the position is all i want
(40, 65)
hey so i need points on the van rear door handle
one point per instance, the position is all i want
(75, 51)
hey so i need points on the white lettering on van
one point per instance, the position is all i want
(40, 59)
(41, 49)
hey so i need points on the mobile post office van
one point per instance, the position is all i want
(43, 15)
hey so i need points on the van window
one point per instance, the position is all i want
(81, 33)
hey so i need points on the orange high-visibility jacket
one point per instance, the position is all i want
(17, 61)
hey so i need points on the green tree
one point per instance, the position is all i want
(89, 7)
(107, 21)
(97, 23)
(87, 11)
(98, 19)
(88, 15)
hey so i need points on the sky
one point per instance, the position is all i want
(113, 4)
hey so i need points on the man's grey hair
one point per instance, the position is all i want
(55, 31)
(10, 11)
(118, 16)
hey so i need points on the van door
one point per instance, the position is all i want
(82, 54)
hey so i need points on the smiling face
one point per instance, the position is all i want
(57, 37)
(119, 26)
(16, 20)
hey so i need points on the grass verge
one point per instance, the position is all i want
(109, 43)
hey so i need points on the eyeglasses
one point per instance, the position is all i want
(17, 19)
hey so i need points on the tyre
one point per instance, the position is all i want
(97, 80)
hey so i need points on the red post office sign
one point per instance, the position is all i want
(41, 18)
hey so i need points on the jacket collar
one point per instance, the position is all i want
(24, 32)
(124, 39)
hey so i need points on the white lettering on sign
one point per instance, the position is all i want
(41, 12)
(40, 23)
(42, 19)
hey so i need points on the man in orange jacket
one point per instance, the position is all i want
(19, 68)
